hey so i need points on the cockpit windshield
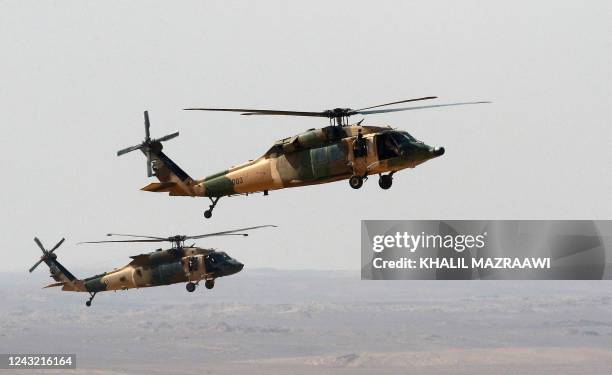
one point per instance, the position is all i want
(218, 257)
(407, 136)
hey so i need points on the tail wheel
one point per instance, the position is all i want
(385, 181)
(209, 284)
(91, 297)
(356, 182)
(213, 201)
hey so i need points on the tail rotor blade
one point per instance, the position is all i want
(57, 245)
(128, 149)
(40, 245)
(167, 137)
(35, 265)
(147, 126)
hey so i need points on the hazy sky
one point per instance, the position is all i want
(76, 77)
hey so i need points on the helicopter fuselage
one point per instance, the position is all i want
(320, 156)
(163, 267)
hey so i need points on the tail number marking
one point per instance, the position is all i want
(237, 181)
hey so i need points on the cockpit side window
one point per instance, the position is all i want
(394, 140)
(388, 145)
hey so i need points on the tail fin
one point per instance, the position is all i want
(173, 179)
(58, 272)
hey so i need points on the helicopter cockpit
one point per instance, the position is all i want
(393, 144)
(221, 262)
(217, 257)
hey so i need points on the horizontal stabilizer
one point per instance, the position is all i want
(61, 283)
(171, 188)
(160, 187)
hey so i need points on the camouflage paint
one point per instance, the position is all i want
(95, 284)
(304, 159)
(157, 268)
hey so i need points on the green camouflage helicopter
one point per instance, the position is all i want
(178, 264)
(337, 152)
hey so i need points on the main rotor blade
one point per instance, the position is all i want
(129, 149)
(35, 265)
(147, 125)
(227, 232)
(398, 102)
(40, 245)
(57, 245)
(249, 112)
(108, 241)
(413, 108)
(135, 235)
(167, 137)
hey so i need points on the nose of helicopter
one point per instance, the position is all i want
(235, 266)
(438, 151)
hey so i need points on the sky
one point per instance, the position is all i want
(77, 75)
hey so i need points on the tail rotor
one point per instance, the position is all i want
(47, 254)
(147, 126)
(148, 140)
(148, 145)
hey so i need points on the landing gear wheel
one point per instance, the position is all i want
(385, 181)
(356, 182)
(190, 287)
(213, 201)
(209, 284)
(91, 297)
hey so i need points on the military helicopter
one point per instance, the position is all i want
(337, 152)
(178, 264)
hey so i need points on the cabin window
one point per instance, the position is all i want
(335, 153)
(320, 155)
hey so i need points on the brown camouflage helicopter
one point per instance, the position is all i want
(337, 152)
(178, 264)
